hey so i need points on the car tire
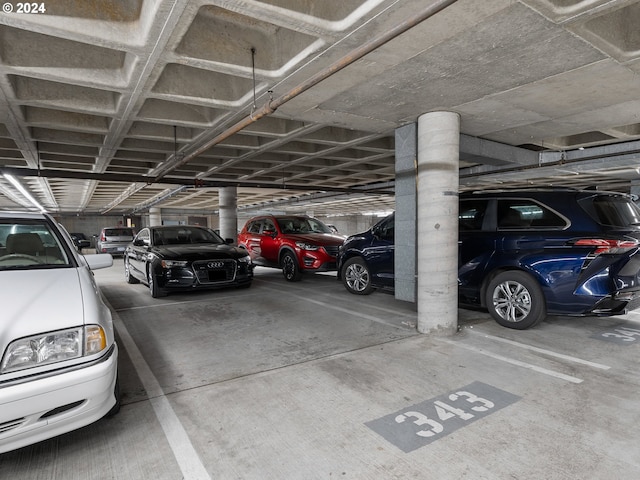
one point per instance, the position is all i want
(290, 268)
(156, 292)
(356, 277)
(515, 300)
(127, 272)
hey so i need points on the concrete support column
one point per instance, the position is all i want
(405, 219)
(155, 217)
(438, 179)
(228, 212)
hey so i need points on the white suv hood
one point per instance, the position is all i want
(41, 301)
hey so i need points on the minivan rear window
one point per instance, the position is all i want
(615, 211)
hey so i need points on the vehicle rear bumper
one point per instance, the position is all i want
(44, 407)
(112, 249)
(613, 282)
(617, 304)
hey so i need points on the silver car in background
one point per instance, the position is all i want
(58, 356)
(114, 240)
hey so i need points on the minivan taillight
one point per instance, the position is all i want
(603, 245)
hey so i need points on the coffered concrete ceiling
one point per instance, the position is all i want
(121, 106)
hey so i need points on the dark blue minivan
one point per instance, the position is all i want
(525, 254)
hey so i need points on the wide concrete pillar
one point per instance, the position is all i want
(228, 197)
(155, 217)
(437, 219)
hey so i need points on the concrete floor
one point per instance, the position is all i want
(305, 381)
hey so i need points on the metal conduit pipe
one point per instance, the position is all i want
(353, 56)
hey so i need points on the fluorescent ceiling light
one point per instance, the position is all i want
(23, 191)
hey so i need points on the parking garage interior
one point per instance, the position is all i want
(211, 111)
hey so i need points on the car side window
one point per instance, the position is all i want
(386, 230)
(144, 236)
(268, 226)
(526, 213)
(254, 227)
(471, 214)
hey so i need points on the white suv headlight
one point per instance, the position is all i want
(53, 347)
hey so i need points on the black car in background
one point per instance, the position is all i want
(523, 254)
(172, 258)
(80, 240)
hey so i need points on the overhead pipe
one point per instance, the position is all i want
(355, 55)
(129, 178)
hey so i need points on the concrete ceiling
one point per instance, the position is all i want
(120, 106)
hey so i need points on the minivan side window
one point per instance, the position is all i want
(517, 213)
(471, 214)
(386, 229)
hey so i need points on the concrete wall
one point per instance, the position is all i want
(91, 225)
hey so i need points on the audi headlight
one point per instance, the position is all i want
(246, 259)
(307, 246)
(173, 263)
(53, 347)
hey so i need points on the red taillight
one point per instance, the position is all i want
(603, 245)
(102, 237)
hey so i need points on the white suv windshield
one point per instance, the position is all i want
(29, 244)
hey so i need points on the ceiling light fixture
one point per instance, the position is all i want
(23, 191)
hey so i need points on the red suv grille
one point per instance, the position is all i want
(331, 249)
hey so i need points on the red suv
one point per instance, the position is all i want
(295, 243)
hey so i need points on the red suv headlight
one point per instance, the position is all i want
(307, 246)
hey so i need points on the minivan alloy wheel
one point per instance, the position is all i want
(512, 301)
(356, 277)
(515, 300)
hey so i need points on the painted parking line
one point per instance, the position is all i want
(341, 309)
(180, 443)
(550, 353)
(518, 363)
(410, 316)
(182, 302)
(633, 316)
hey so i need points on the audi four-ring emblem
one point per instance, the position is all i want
(215, 265)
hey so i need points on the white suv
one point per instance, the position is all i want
(58, 356)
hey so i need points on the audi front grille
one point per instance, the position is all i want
(215, 271)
